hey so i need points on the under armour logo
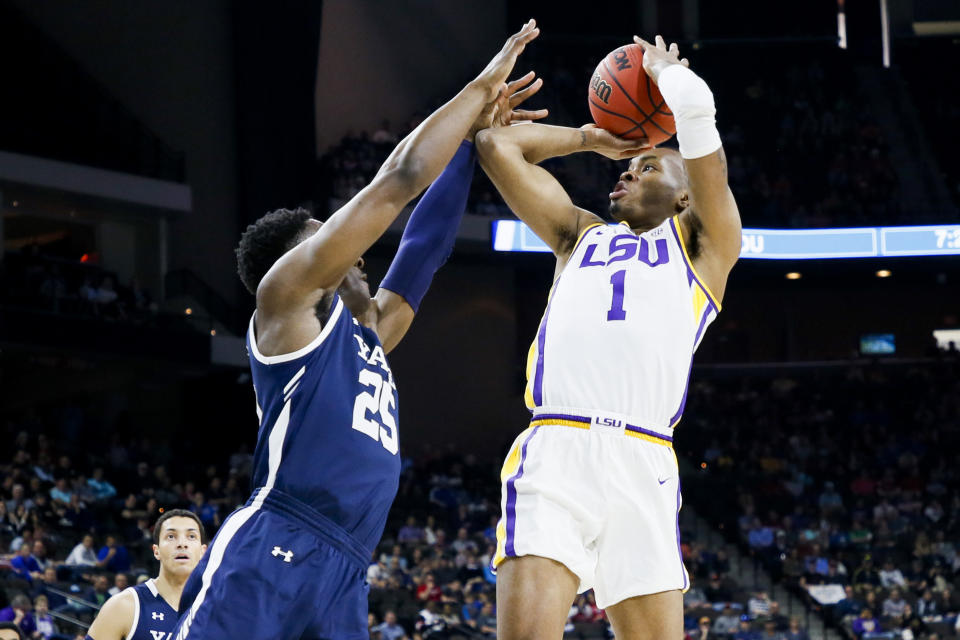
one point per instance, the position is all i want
(156, 615)
(287, 555)
(160, 635)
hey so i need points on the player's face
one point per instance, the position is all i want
(354, 289)
(180, 547)
(653, 188)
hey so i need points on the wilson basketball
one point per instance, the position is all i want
(625, 102)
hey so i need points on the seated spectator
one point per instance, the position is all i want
(389, 629)
(780, 621)
(208, 513)
(99, 593)
(717, 591)
(113, 557)
(410, 533)
(910, 620)
(865, 623)
(890, 576)
(487, 621)
(850, 605)
(462, 543)
(46, 627)
(795, 631)
(926, 605)
(727, 622)
(45, 587)
(120, 582)
(703, 630)
(39, 554)
(25, 565)
(770, 632)
(429, 590)
(19, 614)
(759, 604)
(100, 488)
(61, 492)
(894, 605)
(746, 632)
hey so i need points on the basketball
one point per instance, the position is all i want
(625, 102)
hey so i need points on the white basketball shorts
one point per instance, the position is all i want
(602, 499)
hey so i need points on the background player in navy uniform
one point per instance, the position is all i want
(148, 611)
(292, 562)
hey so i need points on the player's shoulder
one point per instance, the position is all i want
(570, 235)
(116, 616)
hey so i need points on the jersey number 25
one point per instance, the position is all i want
(380, 401)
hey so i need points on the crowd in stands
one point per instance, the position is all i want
(842, 483)
(839, 482)
(76, 530)
(36, 278)
(805, 147)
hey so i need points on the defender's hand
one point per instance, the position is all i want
(609, 145)
(492, 78)
(657, 57)
(501, 112)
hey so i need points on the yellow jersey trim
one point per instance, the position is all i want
(686, 257)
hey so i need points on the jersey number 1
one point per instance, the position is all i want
(617, 311)
(380, 401)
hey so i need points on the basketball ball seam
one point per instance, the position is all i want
(614, 113)
(625, 92)
(656, 107)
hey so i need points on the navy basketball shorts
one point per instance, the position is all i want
(271, 575)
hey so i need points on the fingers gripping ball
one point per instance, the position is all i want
(625, 102)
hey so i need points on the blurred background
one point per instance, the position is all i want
(137, 141)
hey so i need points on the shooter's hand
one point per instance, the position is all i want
(657, 57)
(610, 146)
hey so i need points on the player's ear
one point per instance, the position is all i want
(683, 201)
(203, 549)
(156, 552)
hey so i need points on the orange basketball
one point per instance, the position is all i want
(625, 102)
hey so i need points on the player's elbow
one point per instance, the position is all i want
(402, 181)
(489, 142)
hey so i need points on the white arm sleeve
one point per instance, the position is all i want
(691, 102)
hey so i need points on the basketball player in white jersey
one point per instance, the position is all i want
(591, 490)
(149, 611)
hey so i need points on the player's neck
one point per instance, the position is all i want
(170, 586)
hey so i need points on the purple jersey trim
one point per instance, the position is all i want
(509, 548)
(679, 548)
(652, 434)
(541, 343)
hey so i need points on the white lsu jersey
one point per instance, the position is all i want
(619, 332)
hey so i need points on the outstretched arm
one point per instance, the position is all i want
(713, 211)
(432, 229)
(510, 156)
(322, 261)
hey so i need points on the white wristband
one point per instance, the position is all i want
(691, 102)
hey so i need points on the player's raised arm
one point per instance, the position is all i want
(432, 229)
(712, 205)
(510, 156)
(322, 261)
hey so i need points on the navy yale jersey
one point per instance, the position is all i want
(153, 618)
(328, 426)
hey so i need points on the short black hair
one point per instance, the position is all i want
(265, 241)
(176, 513)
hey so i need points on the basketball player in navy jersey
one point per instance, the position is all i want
(148, 611)
(292, 563)
(591, 492)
